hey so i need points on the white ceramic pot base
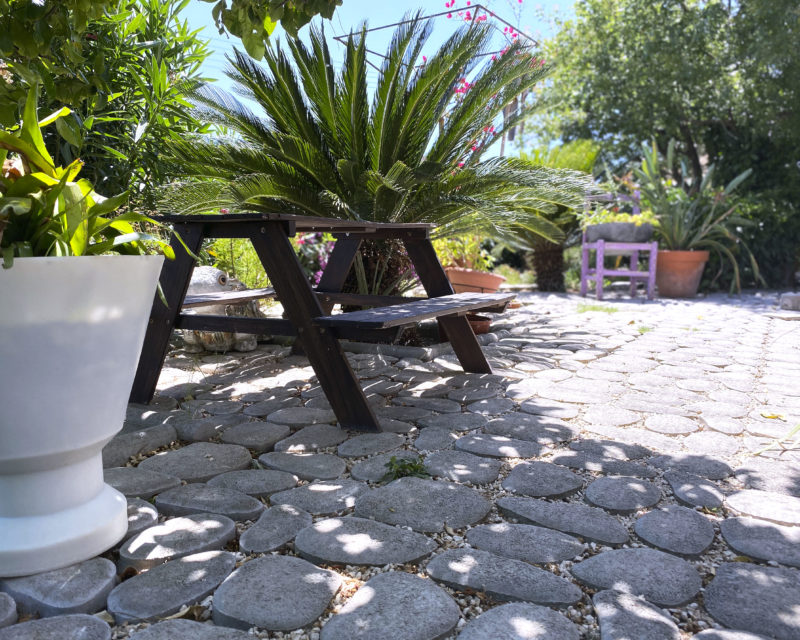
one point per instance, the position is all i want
(33, 544)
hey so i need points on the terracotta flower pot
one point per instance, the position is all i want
(678, 273)
(470, 280)
(479, 324)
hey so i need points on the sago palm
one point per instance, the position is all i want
(411, 152)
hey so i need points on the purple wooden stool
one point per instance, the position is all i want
(599, 272)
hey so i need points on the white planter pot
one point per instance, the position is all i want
(71, 330)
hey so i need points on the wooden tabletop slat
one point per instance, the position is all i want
(303, 223)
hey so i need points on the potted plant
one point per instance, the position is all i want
(612, 225)
(467, 264)
(692, 223)
(71, 329)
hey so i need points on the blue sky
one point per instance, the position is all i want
(528, 16)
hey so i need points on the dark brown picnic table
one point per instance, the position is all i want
(308, 309)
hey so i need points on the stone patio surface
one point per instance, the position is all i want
(603, 483)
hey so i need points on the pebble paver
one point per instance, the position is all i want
(141, 515)
(358, 541)
(520, 621)
(256, 436)
(398, 604)
(613, 466)
(587, 522)
(373, 469)
(763, 540)
(460, 466)
(694, 490)
(279, 593)
(501, 578)
(454, 421)
(423, 505)
(204, 498)
(164, 589)
(133, 482)
(175, 538)
(313, 438)
(369, 444)
(766, 505)
(183, 629)
(258, 483)
(542, 480)
(79, 588)
(306, 466)
(676, 529)
(199, 461)
(541, 429)
(435, 438)
(323, 497)
(8, 610)
(700, 465)
(757, 599)
(498, 446)
(536, 545)
(624, 615)
(611, 449)
(661, 578)
(78, 626)
(276, 526)
(620, 494)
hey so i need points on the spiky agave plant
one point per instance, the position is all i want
(409, 153)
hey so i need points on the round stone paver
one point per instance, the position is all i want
(580, 520)
(713, 444)
(694, 490)
(8, 610)
(439, 405)
(133, 482)
(297, 417)
(551, 408)
(763, 540)
(204, 429)
(435, 438)
(368, 444)
(374, 469)
(591, 462)
(532, 544)
(701, 465)
(624, 615)
(175, 538)
(203, 498)
(660, 577)
(313, 438)
(540, 429)
(758, 599)
(498, 446)
(542, 480)
(770, 475)
(278, 593)
(454, 421)
(460, 466)
(676, 529)
(182, 629)
(501, 578)
(423, 505)
(610, 415)
(78, 626)
(164, 589)
(766, 505)
(395, 604)
(141, 515)
(621, 494)
(276, 526)
(671, 425)
(256, 436)
(358, 541)
(306, 466)
(610, 449)
(322, 497)
(79, 588)
(726, 634)
(199, 461)
(257, 483)
(520, 621)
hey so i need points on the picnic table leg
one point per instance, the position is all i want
(174, 280)
(322, 348)
(433, 278)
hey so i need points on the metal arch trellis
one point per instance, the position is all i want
(474, 8)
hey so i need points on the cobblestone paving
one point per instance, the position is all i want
(602, 483)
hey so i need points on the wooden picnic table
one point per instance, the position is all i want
(308, 309)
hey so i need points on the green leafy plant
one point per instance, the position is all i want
(463, 251)
(585, 308)
(603, 215)
(694, 216)
(47, 210)
(404, 467)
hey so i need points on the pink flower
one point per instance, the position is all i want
(468, 2)
(460, 164)
(301, 240)
(469, 16)
(224, 211)
(449, 15)
(474, 147)
(424, 58)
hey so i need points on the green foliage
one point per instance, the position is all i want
(601, 215)
(404, 467)
(463, 251)
(236, 257)
(254, 20)
(694, 217)
(126, 92)
(585, 308)
(46, 210)
(405, 155)
(514, 276)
